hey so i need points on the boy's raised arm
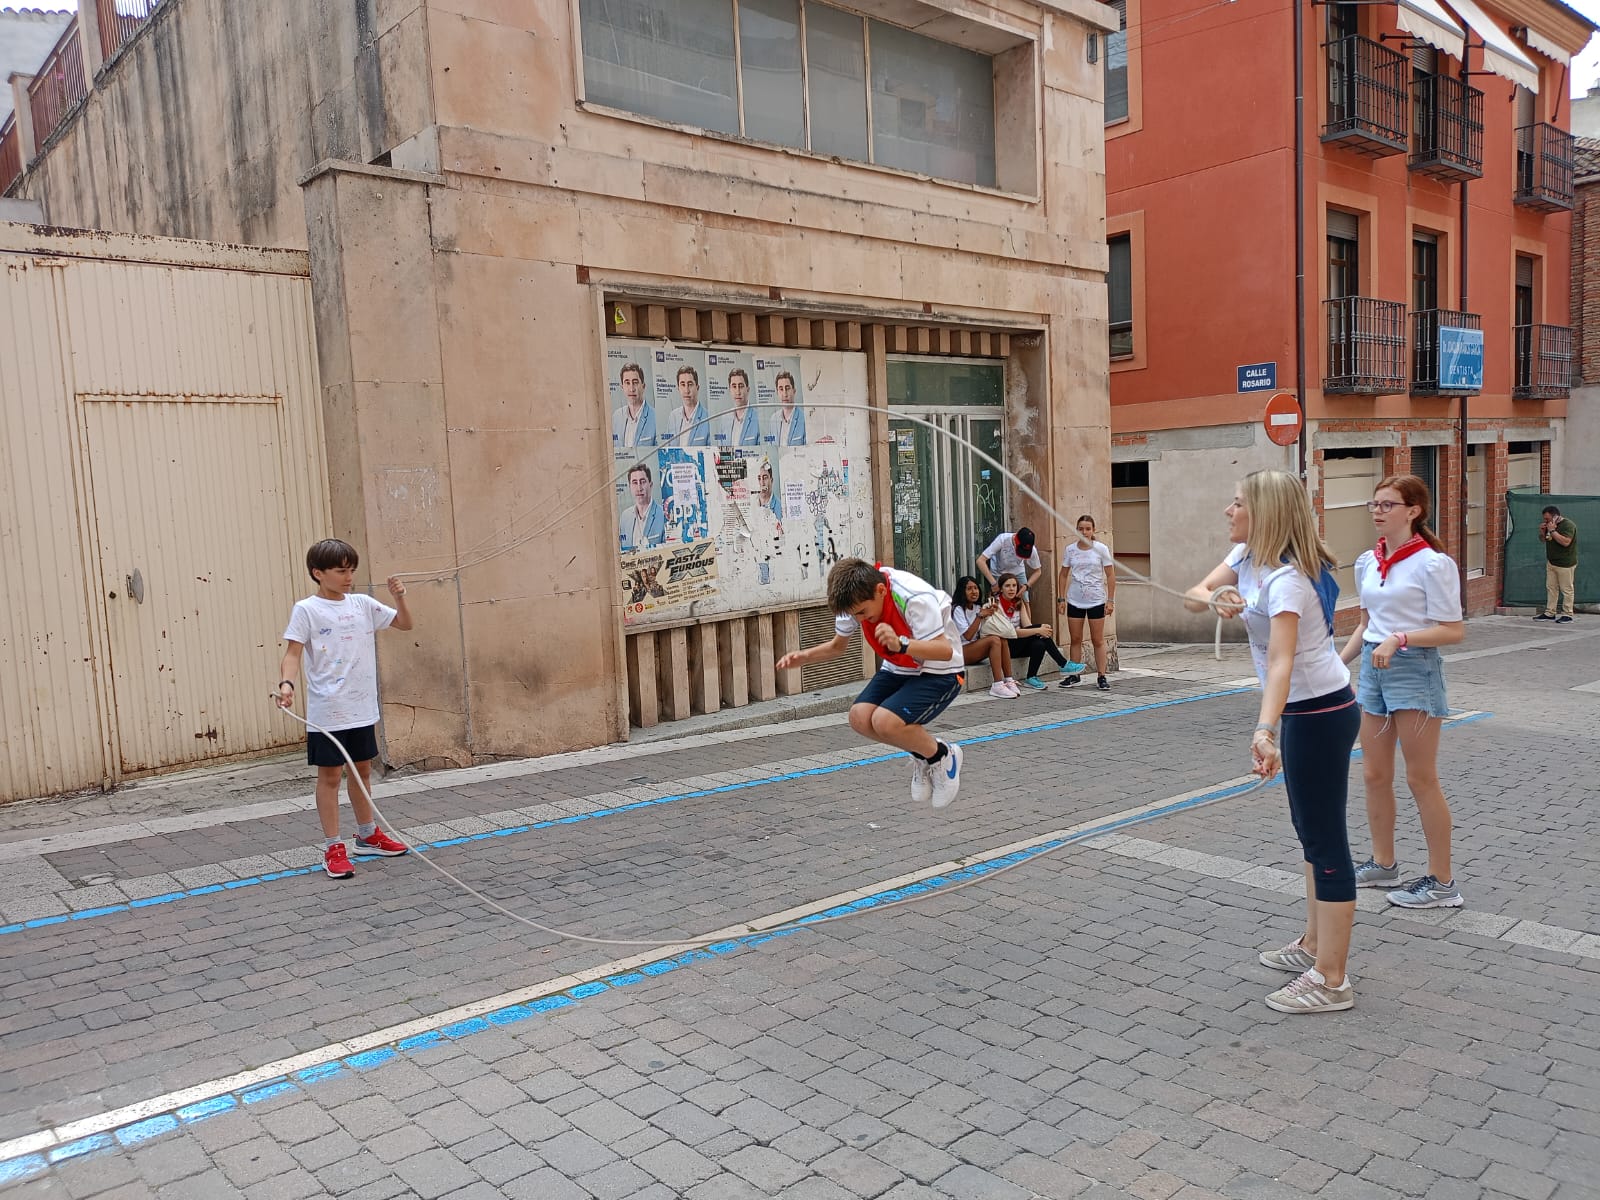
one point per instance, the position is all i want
(397, 590)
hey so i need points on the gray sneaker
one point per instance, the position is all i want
(1306, 995)
(1373, 874)
(1427, 892)
(1292, 958)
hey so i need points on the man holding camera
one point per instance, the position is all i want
(1560, 537)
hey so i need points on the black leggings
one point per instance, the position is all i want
(1318, 736)
(1035, 646)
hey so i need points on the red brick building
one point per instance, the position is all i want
(1427, 188)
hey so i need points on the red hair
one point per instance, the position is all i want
(1416, 495)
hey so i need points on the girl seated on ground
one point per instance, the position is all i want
(969, 613)
(1032, 640)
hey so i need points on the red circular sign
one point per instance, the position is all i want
(1283, 419)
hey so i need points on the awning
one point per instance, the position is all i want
(1546, 46)
(1426, 20)
(1500, 54)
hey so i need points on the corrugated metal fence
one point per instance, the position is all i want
(161, 471)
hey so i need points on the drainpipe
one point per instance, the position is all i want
(1300, 226)
(1466, 78)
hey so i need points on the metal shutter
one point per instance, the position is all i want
(1424, 58)
(816, 625)
(1524, 271)
(1344, 225)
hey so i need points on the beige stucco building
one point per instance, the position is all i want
(894, 204)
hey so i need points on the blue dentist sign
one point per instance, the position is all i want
(1461, 360)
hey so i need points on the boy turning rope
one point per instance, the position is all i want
(907, 623)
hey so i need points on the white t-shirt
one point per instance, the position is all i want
(1423, 589)
(340, 659)
(927, 612)
(1317, 669)
(1003, 560)
(1086, 573)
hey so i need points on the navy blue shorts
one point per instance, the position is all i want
(915, 699)
(361, 743)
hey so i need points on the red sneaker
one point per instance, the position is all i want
(380, 843)
(336, 862)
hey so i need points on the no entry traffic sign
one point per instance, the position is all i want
(1282, 419)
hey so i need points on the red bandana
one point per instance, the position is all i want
(1007, 607)
(1386, 561)
(896, 621)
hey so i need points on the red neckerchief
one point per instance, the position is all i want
(1386, 561)
(1010, 610)
(896, 621)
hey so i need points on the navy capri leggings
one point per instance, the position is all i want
(1318, 736)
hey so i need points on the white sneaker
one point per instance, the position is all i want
(921, 781)
(946, 775)
(1001, 691)
(1014, 688)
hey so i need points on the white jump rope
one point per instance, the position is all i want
(1224, 599)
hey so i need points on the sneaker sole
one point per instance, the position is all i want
(1338, 1006)
(1265, 959)
(1379, 883)
(1455, 902)
(339, 874)
(371, 852)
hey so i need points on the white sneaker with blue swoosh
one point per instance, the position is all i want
(947, 776)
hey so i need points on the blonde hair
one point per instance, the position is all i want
(1282, 526)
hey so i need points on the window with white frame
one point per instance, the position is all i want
(1119, 297)
(1348, 479)
(797, 73)
(1116, 66)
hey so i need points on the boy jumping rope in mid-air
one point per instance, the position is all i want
(907, 623)
(331, 634)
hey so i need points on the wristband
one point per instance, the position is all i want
(1271, 730)
(1403, 640)
(288, 683)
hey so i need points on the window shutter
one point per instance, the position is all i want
(1119, 280)
(1344, 225)
(1424, 58)
(1524, 107)
(1524, 271)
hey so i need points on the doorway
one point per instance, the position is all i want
(949, 501)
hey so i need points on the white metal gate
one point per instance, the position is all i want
(160, 433)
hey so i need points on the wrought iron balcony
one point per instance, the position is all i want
(1446, 128)
(1366, 346)
(1544, 168)
(1425, 326)
(1542, 367)
(1367, 96)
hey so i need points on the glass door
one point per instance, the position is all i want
(949, 501)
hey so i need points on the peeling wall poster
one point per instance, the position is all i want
(753, 515)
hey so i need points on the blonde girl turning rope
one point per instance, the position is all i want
(1282, 586)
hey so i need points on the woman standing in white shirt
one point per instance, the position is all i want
(1086, 585)
(1410, 606)
(1277, 578)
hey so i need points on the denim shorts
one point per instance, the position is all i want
(1413, 680)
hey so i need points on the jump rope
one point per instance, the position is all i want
(1223, 600)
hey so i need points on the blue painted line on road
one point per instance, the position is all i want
(28, 1166)
(255, 880)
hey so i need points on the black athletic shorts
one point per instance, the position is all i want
(1097, 613)
(361, 743)
(915, 699)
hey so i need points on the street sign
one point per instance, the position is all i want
(1461, 359)
(1258, 377)
(1282, 420)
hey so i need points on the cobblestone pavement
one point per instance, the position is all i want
(187, 1011)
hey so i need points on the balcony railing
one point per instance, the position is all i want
(1544, 168)
(1367, 96)
(58, 85)
(10, 153)
(1542, 369)
(120, 20)
(1366, 346)
(1425, 326)
(1446, 128)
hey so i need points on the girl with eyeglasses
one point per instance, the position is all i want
(1410, 606)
